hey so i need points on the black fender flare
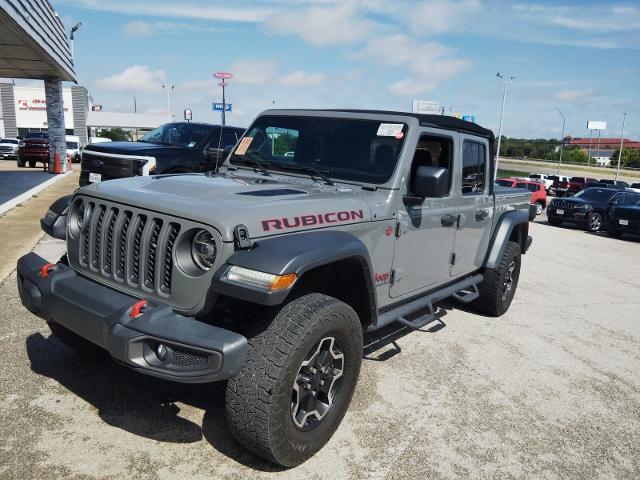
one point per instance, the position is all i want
(508, 222)
(295, 253)
(54, 222)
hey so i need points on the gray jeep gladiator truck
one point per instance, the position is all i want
(319, 226)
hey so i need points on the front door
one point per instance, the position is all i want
(426, 227)
(475, 207)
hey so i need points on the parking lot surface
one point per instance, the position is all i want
(15, 181)
(550, 390)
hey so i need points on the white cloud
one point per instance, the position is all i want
(252, 71)
(439, 16)
(138, 28)
(573, 95)
(324, 25)
(203, 10)
(429, 64)
(137, 78)
(299, 78)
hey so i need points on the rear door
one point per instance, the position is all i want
(475, 207)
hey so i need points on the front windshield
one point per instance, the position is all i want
(347, 149)
(72, 145)
(188, 135)
(8, 140)
(595, 194)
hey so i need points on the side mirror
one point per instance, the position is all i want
(430, 182)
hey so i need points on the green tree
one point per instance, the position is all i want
(630, 158)
(116, 134)
(570, 155)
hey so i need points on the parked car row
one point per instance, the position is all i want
(562, 186)
(538, 192)
(599, 208)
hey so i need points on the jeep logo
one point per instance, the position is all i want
(311, 220)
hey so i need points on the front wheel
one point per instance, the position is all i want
(499, 284)
(595, 222)
(32, 163)
(298, 380)
(20, 164)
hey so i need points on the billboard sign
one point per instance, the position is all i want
(426, 107)
(217, 107)
(469, 118)
(595, 125)
(223, 75)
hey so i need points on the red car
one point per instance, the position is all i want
(32, 149)
(538, 192)
(578, 183)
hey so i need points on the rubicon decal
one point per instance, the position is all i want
(311, 220)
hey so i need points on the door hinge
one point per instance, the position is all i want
(401, 228)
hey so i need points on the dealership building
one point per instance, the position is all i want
(23, 109)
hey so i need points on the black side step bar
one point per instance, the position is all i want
(466, 290)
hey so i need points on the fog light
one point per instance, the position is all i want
(161, 352)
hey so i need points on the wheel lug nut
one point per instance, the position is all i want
(321, 382)
(314, 393)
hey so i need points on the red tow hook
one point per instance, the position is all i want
(137, 309)
(46, 268)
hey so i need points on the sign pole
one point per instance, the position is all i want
(223, 77)
(589, 159)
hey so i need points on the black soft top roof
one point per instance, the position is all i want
(436, 121)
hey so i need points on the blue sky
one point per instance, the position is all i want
(582, 58)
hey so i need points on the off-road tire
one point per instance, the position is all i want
(495, 298)
(75, 342)
(259, 399)
(32, 163)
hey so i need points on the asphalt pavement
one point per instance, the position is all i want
(551, 390)
(16, 182)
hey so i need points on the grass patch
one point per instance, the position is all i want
(511, 173)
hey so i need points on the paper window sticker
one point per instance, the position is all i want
(243, 146)
(389, 129)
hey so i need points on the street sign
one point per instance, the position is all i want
(188, 114)
(223, 75)
(217, 107)
(425, 107)
(469, 118)
(595, 125)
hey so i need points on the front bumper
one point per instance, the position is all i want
(196, 352)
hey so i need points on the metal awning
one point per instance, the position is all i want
(33, 43)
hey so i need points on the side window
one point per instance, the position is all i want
(432, 151)
(532, 187)
(474, 163)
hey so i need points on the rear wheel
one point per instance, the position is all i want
(595, 222)
(499, 284)
(539, 208)
(20, 164)
(298, 380)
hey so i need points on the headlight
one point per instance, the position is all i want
(586, 206)
(76, 218)
(203, 250)
(254, 278)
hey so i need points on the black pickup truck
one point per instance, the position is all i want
(180, 147)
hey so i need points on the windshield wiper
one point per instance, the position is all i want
(253, 159)
(307, 169)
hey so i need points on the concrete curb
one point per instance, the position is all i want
(6, 206)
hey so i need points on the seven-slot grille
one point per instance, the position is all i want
(130, 247)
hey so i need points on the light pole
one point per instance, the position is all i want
(624, 119)
(224, 78)
(506, 81)
(169, 89)
(74, 29)
(561, 139)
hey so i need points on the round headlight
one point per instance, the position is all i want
(203, 250)
(77, 217)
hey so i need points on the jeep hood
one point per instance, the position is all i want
(266, 205)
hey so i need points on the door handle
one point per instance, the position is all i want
(448, 220)
(481, 214)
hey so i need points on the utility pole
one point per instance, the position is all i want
(169, 89)
(561, 139)
(589, 159)
(624, 119)
(506, 81)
